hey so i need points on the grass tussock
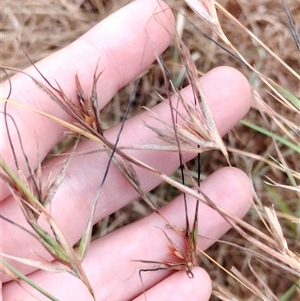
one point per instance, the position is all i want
(258, 258)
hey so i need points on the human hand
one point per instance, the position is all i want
(120, 41)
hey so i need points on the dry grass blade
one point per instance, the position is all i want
(43, 265)
(292, 25)
(248, 283)
(231, 17)
(286, 257)
(265, 260)
(262, 282)
(206, 10)
(222, 293)
(50, 192)
(231, 274)
(276, 230)
(270, 182)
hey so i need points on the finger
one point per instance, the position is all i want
(122, 44)
(72, 204)
(108, 263)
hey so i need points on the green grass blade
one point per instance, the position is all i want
(278, 138)
(291, 292)
(27, 280)
(286, 94)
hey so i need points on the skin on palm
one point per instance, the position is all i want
(229, 96)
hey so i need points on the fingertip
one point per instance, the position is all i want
(179, 287)
(233, 99)
(237, 84)
(236, 192)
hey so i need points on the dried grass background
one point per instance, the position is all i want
(43, 27)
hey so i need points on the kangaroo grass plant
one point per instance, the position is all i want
(259, 258)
